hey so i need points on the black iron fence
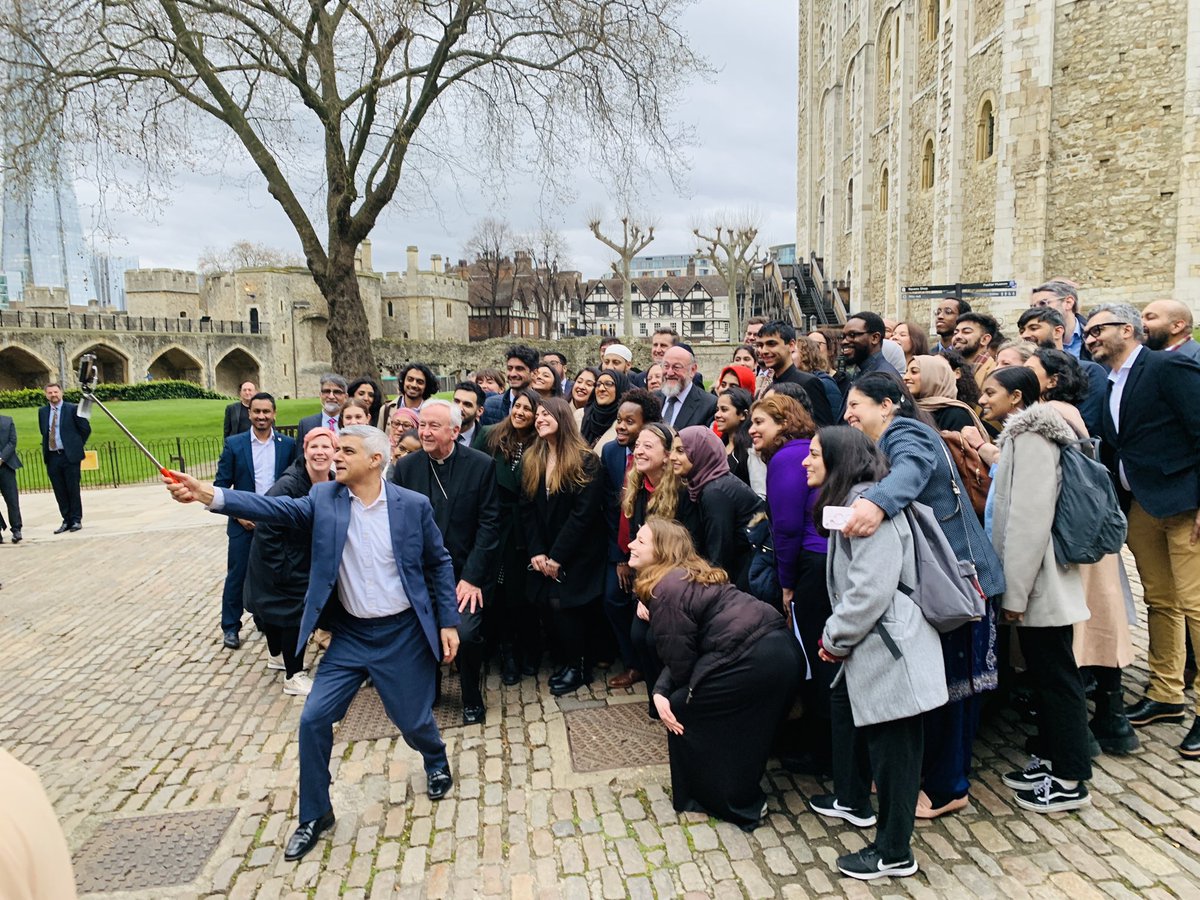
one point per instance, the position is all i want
(120, 462)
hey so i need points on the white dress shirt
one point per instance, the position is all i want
(1119, 379)
(687, 387)
(263, 453)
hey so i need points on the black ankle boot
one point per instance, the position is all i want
(510, 671)
(1110, 726)
(573, 679)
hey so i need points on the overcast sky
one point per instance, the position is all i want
(745, 156)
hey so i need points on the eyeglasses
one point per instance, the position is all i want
(674, 367)
(853, 335)
(1096, 330)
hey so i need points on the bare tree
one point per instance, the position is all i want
(549, 278)
(731, 247)
(332, 103)
(490, 250)
(244, 255)
(635, 237)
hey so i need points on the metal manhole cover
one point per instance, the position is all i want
(366, 719)
(615, 737)
(150, 851)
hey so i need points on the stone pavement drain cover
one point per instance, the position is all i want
(366, 719)
(615, 737)
(150, 851)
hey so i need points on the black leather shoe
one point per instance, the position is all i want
(16, 536)
(510, 671)
(305, 837)
(76, 527)
(474, 715)
(1146, 711)
(62, 528)
(439, 784)
(232, 640)
(1191, 744)
(558, 676)
(2, 538)
(573, 680)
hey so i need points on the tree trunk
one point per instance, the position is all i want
(348, 332)
(735, 330)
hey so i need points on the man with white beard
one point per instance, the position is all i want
(684, 404)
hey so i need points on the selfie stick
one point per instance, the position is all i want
(88, 376)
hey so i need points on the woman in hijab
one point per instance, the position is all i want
(736, 376)
(601, 412)
(931, 382)
(725, 502)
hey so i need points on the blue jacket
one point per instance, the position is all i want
(235, 468)
(73, 430)
(612, 474)
(496, 407)
(421, 559)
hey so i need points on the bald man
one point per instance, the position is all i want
(1168, 325)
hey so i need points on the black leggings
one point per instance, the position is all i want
(282, 639)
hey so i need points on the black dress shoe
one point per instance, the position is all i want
(16, 535)
(1191, 744)
(439, 784)
(232, 640)
(558, 676)
(305, 837)
(510, 671)
(62, 528)
(76, 527)
(1146, 711)
(474, 715)
(573, 680)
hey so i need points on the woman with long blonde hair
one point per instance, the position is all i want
(729, 672)
(565, 534)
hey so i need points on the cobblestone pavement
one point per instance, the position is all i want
(171, 759)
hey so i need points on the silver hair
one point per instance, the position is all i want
(1122, 312)
(373, 440)
(1060, 289)
(455, 412)
(334, 378)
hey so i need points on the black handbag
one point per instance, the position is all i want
(763, 577)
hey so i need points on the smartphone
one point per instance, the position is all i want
(835, 517)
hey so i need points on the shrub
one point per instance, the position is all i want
(143, 390)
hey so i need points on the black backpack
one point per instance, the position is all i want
(1088, 522)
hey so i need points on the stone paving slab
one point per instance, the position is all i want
(117, 690)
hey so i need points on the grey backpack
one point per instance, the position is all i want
(947, 589)
(1088, 522)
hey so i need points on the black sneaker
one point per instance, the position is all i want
(867, 865)
(1029, 777)
(827, 805)
(1052, 796)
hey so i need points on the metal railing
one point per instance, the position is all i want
(22, 318)
(119, 462)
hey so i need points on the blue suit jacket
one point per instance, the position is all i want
(73, 430)
(612, 464)
(235, 468)
(495, 408)
(421, 558)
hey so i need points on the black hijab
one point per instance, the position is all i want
(598, 419)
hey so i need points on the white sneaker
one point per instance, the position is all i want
(299, 685)
(275, 661)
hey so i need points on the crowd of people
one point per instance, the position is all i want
(765, 555)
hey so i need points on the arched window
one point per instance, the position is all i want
(887, 63)
(821, 229)
(985, 132)
(884, 189)
(933, 17)
(927, 162)
(849, 204)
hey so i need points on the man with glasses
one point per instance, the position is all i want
(683, 403)
(1152, 447)
(460, 483)
(862, 344)
(333, 398)
(1063, 295)
(945, 317)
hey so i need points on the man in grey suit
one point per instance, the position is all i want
(1168, 326)
(9, 463)
(333, 398)
(684, 404)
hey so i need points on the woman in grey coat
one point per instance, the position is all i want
(1045, 599)
(891, 658)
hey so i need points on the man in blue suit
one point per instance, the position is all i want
(251, 461)
(377, 551)
(63, 437)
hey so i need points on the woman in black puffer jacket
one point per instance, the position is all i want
(730, 671)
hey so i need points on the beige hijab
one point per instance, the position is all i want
(939, 389)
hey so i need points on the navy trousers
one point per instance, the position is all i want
(393, 651)
(619, 609)
(237, 561)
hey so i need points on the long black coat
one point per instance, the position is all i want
(569, 528)
(280, 557)
(468, 516)
(726, 507)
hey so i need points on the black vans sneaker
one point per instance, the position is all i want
(827, 805)
(867, 865)
(1028, 778)
(1053, 796)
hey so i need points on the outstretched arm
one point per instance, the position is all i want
(295, 512)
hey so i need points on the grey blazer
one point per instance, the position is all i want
(864, 575)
